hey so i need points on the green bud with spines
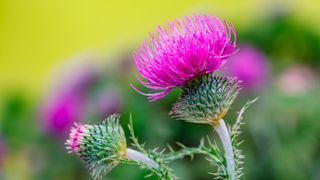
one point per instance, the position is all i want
(206, 99)
(101, 146)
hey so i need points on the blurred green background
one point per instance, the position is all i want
(70, 61)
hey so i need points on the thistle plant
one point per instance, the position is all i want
(186, 54)
(183, 54)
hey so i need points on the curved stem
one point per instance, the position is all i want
(224, 136)
(138, 156)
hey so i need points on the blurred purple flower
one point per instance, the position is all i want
(67, 100)
(57, 115)
(182, 50)
(250, 66)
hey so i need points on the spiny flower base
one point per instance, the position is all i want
(206, 99)
(99, 146)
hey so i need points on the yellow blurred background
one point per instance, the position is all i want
(35, 35)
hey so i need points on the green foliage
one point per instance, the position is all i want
(210, 150)
(235, 132)
(162, 171)
(103, 147)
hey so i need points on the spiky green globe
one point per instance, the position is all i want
(100, 146)
(206, 99)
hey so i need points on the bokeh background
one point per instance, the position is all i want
(70, 61)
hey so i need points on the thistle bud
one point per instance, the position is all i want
(101, 146)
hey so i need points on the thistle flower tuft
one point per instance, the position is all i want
(206, 99)
(101, 146)
(76, 137)
(181, 51)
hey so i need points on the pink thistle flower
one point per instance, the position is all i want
(76, 135)
(181, 51)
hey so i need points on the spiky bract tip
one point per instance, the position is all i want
(100, 146)
(206, 99)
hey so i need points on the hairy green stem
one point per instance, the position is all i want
(182, 153)
(224, 136)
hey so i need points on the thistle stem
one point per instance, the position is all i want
(138, 156)
(224, 136)
(182, 153)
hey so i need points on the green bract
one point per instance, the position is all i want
(206, 99)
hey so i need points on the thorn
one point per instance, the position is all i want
(170, 148)
(181, 145)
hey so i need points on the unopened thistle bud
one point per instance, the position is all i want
(206, 99)
(100, 146)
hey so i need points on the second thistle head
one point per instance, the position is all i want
(101, 146)
(181, 51)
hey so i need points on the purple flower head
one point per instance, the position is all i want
(250, 66)
(182, 50)
(65, 101)
(59, 113)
